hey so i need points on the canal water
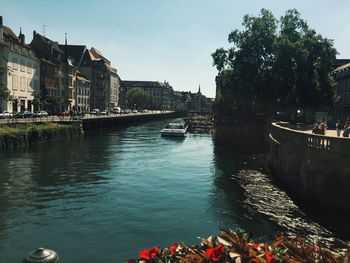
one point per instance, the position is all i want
(112, 193)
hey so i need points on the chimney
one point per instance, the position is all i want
(34, 33)
(1, 30)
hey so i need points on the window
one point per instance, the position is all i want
(22, 66)
(22, 84)
(29, 67)
(29, 85)
(14, 63)
(36, 69)
(14, 82)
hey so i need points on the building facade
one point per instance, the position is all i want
(342, 105)
(197, 102)
(104, 80)
(83, 93)
(54, 73)
(20, 71)
(162, 94)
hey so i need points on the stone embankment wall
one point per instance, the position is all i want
(101, 122)
(315, 169)
(17, 135)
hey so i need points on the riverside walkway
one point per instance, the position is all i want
(329, 133)
(313, 168)
(54, 118)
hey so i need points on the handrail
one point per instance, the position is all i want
(290, 137)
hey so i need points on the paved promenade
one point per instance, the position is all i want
(67, 118)
(330, 133)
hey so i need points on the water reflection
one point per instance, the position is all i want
(44, 177)
(230, 160)
(176, 139)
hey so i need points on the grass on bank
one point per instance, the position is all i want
(12, 136)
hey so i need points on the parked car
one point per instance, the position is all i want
(104, 112)
(116, 110)
(24, 114)
(40, 114)
(5, 115)
(144, 110)
(126, 111)
(134, 111)
(95, 112)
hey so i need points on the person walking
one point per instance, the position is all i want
(338, 127)
(346, 131)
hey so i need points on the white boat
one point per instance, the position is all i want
(174, 129)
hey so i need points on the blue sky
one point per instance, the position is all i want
(165, 39)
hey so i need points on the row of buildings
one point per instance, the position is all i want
(60, 77)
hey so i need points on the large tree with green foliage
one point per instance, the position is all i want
(275, 64)
(137, 97)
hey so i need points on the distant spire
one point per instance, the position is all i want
(65, 39)
(21, 36)
(199, 89)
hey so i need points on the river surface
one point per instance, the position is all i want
(112, 193)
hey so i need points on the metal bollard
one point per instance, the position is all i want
(41, 255)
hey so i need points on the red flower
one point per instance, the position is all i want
(215, 253)
(173, 248)
(269, 257)
(149, 254)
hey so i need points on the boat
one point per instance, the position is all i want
(174, 129)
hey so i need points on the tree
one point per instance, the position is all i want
(52, 104)
(275, 63)
(138, 97)
(37, 101)
(4, 92)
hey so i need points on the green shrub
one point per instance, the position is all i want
(17, 135)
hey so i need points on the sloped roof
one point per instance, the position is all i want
(141, 83)
(9, 34)
(111, 69)
(75, 52)
(50, 43)
(98, 55)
